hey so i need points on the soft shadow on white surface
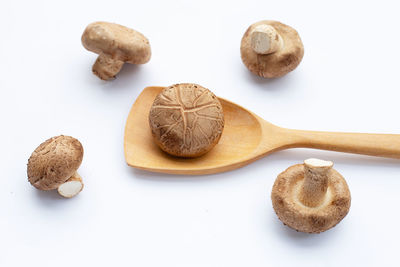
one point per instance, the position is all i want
(164, 177)
(53, 202)
(272, 84)
(288, 157)
(300, 239)
(48, 198)
(124, 80)
(129, 76)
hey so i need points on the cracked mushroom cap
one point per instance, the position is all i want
(117, 41)
(311, 197)
(186, 120)
(54, 161)
(283, 42)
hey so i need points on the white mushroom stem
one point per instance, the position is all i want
(71, 187)
(315, 185)
(265, 39)
(106, 67)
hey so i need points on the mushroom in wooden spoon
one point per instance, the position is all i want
(311, 197)
(271, 49)
(246, 137)
(116, 45)
(54, 163)
(186, 120)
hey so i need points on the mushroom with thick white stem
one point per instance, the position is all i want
(54, 163)
(116, 45)
(271, 49)
(311, 197)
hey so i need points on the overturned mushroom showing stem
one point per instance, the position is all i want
(116, 45)
(311, 197)
(271, 49)
(265, 40)
(54, 163)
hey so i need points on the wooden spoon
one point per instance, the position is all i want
(246, 138)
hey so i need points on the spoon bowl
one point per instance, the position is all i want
(245, 138)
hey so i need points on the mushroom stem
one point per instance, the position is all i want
(265, 40)
(71, 187)
(106, 67)
(315, 183)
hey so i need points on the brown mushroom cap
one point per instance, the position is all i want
(186, 120)
(54, 161)
(276, 64)
(117, 41)
(289, 204)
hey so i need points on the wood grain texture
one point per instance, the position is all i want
(246, 138)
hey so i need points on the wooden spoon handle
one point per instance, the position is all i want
(382, 145)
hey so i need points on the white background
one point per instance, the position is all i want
(347, 81)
